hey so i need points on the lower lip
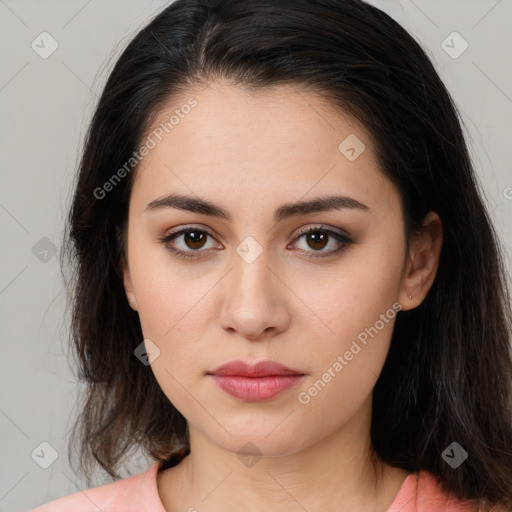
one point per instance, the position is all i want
(256, 389)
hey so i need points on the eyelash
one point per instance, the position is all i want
(192, 254)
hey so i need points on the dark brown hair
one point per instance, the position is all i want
(448, 374)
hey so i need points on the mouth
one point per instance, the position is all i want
(255, 382)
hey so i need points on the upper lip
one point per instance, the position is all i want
(259, 369)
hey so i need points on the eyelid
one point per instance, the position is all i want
(185, 227)
(319, 227)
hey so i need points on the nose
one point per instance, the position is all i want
(254, 300)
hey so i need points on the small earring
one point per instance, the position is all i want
(410, 297)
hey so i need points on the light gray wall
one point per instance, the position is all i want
(45, 106)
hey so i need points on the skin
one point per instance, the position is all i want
(251, 152)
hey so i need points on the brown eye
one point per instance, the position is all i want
(192, 244)
(317, 238)
(194, 239)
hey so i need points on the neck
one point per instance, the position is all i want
(338, 473)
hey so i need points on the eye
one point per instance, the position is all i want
(318, 238)
(194, 242)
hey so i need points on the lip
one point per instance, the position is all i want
(255, 382)
(259, 369)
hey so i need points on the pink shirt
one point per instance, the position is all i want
(420, 492)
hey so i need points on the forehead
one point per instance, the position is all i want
(273, 143)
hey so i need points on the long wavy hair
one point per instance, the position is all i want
(448, 374)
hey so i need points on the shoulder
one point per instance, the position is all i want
(138, 492)
(422, 492)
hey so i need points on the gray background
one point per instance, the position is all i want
(45, 106)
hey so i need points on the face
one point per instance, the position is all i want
(252, 285)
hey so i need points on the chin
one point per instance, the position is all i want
(258, 443)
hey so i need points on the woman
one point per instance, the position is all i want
(288, 291)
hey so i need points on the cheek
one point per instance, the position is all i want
(357, 309)
(369, 284)
(354, 297)
(170, 300)
(345, 366)
(174, 313)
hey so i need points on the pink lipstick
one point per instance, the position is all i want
(255, 382)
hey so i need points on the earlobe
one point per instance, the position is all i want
(128, 286)
(422, 262)
(132, 302)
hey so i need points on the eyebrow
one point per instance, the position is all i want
(197, 205)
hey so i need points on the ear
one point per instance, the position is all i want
(422, 262)
(128, 286)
